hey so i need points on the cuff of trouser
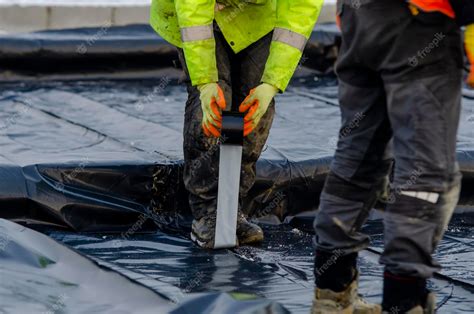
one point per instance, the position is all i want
(201, 62)
(281, 65)
(403, 293)
(334, 270)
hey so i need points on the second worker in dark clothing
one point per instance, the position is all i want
(400, 76)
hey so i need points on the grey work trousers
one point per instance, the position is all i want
(400, 82)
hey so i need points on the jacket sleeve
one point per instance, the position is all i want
(195, 19)
(294, 23)
(464, 10)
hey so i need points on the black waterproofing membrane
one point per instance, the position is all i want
(48, 277)
(89, 117)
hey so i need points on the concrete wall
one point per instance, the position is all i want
(27, 18)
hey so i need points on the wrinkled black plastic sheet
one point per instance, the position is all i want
(119, 48)
(81, 154)
(279, 270)
(40, 275)
(167, 274)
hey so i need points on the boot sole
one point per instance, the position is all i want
(200, 243)
(204, 244)
(256, 239)
(322, 308)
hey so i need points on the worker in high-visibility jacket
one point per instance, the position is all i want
(400, 68)
(237, 54)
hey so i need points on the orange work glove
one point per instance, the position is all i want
(256, 104)
(212, 104)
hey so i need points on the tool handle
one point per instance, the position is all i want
(232, 128)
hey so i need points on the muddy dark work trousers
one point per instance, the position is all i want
(238, 74)
(400, 78)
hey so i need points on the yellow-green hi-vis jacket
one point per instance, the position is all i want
(188, 24)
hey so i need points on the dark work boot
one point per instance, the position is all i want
(247, 232)
(407, 295)
(203, 231)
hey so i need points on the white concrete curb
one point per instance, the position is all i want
(33, 15)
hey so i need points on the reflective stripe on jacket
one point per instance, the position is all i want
(188, 24)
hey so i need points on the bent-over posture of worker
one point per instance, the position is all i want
(237, 55)
(400, 69)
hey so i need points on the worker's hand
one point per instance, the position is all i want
(256, 104)
(469, 42)
(212, 104)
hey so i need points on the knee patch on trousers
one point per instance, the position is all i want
(413, 229)
(344, 189)
(425, 205)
